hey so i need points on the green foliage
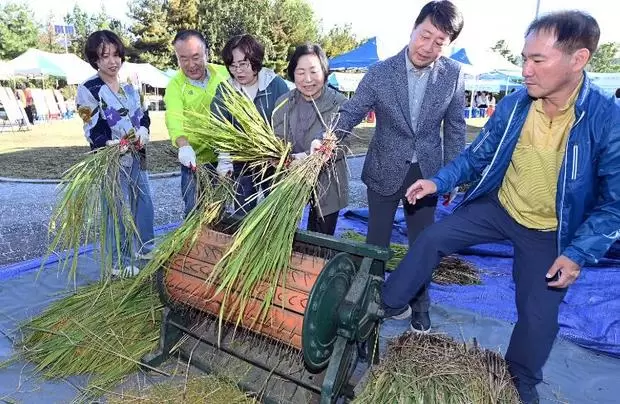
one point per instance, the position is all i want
(152, 35)
(48, 40)
(84, 24)
(18, 30)
(339, 40)
(605, 59)
(501, 47)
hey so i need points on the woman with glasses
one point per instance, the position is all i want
(243, 56)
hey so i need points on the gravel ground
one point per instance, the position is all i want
(25, 209)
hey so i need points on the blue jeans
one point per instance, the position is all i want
(136, 196)
(484, 220)
(188, 186)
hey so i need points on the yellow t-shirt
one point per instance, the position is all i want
(529, 189)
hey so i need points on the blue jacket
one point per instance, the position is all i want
(588, 189)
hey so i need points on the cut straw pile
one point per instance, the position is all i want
(434, 369)
(90, 332)
(90, 194)
(450, 271)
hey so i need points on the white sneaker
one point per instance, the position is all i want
(128, 271)
(145, 256)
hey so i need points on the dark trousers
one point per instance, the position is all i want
(188, 186)
(248, 184)
(481, 221)
(325, 224)
(381, 211)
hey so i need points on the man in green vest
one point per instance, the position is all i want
(190, 90)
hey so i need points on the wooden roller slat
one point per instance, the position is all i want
(295, 279)
(283, 325)
(187, 272)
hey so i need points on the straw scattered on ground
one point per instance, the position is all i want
(452, 270)
(196, 389)
(91, 332)
(428, 369)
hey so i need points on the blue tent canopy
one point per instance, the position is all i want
(361, 57)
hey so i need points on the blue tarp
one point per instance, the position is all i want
(359, 58)
(572, 373)
(589, 315)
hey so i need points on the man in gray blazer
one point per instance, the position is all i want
(412, 94)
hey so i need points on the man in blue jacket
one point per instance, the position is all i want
(545, 174)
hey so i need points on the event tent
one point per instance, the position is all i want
(367, 54)
(38, 63)
(479, 61)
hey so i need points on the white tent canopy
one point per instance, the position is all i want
(144, 73)
(36, 62)
(5, 70)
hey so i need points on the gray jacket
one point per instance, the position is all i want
(333, 187)
(384, 90)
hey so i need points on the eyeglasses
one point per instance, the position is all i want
(243, 65)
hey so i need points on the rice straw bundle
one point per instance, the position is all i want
(213, 196)
(90, 332)
(91, 192)
(248, 138)
(430, 368)
(263, 243)
(452, 270)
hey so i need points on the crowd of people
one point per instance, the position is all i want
(544, 173)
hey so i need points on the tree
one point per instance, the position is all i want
(293, 23)
(339, 39)
(18, 30)
(604, 59)
(221, 19)
(49, 41)
(151, 31)
(182, 14)
(84, 25)
(501, 47)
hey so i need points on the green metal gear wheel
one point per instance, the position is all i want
(321, 316)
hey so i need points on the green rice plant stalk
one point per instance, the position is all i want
(262, 245)
(452, 270)
(213, 195)
(80, 217)
(90, 332)
(421, 369)
(248, 138)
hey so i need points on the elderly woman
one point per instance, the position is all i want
(112, 111)
(243, 57)
(299, 116)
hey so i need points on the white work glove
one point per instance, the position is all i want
(315, 145)
(297, 158)
(124, 146)
(142, 135)
(187, 156)
(224, 165)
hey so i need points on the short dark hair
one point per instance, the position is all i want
(573, 30)
(96, 41)
(444, 15)
(185, 34)
(307, 49)
(252, 49)
(617, 92)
